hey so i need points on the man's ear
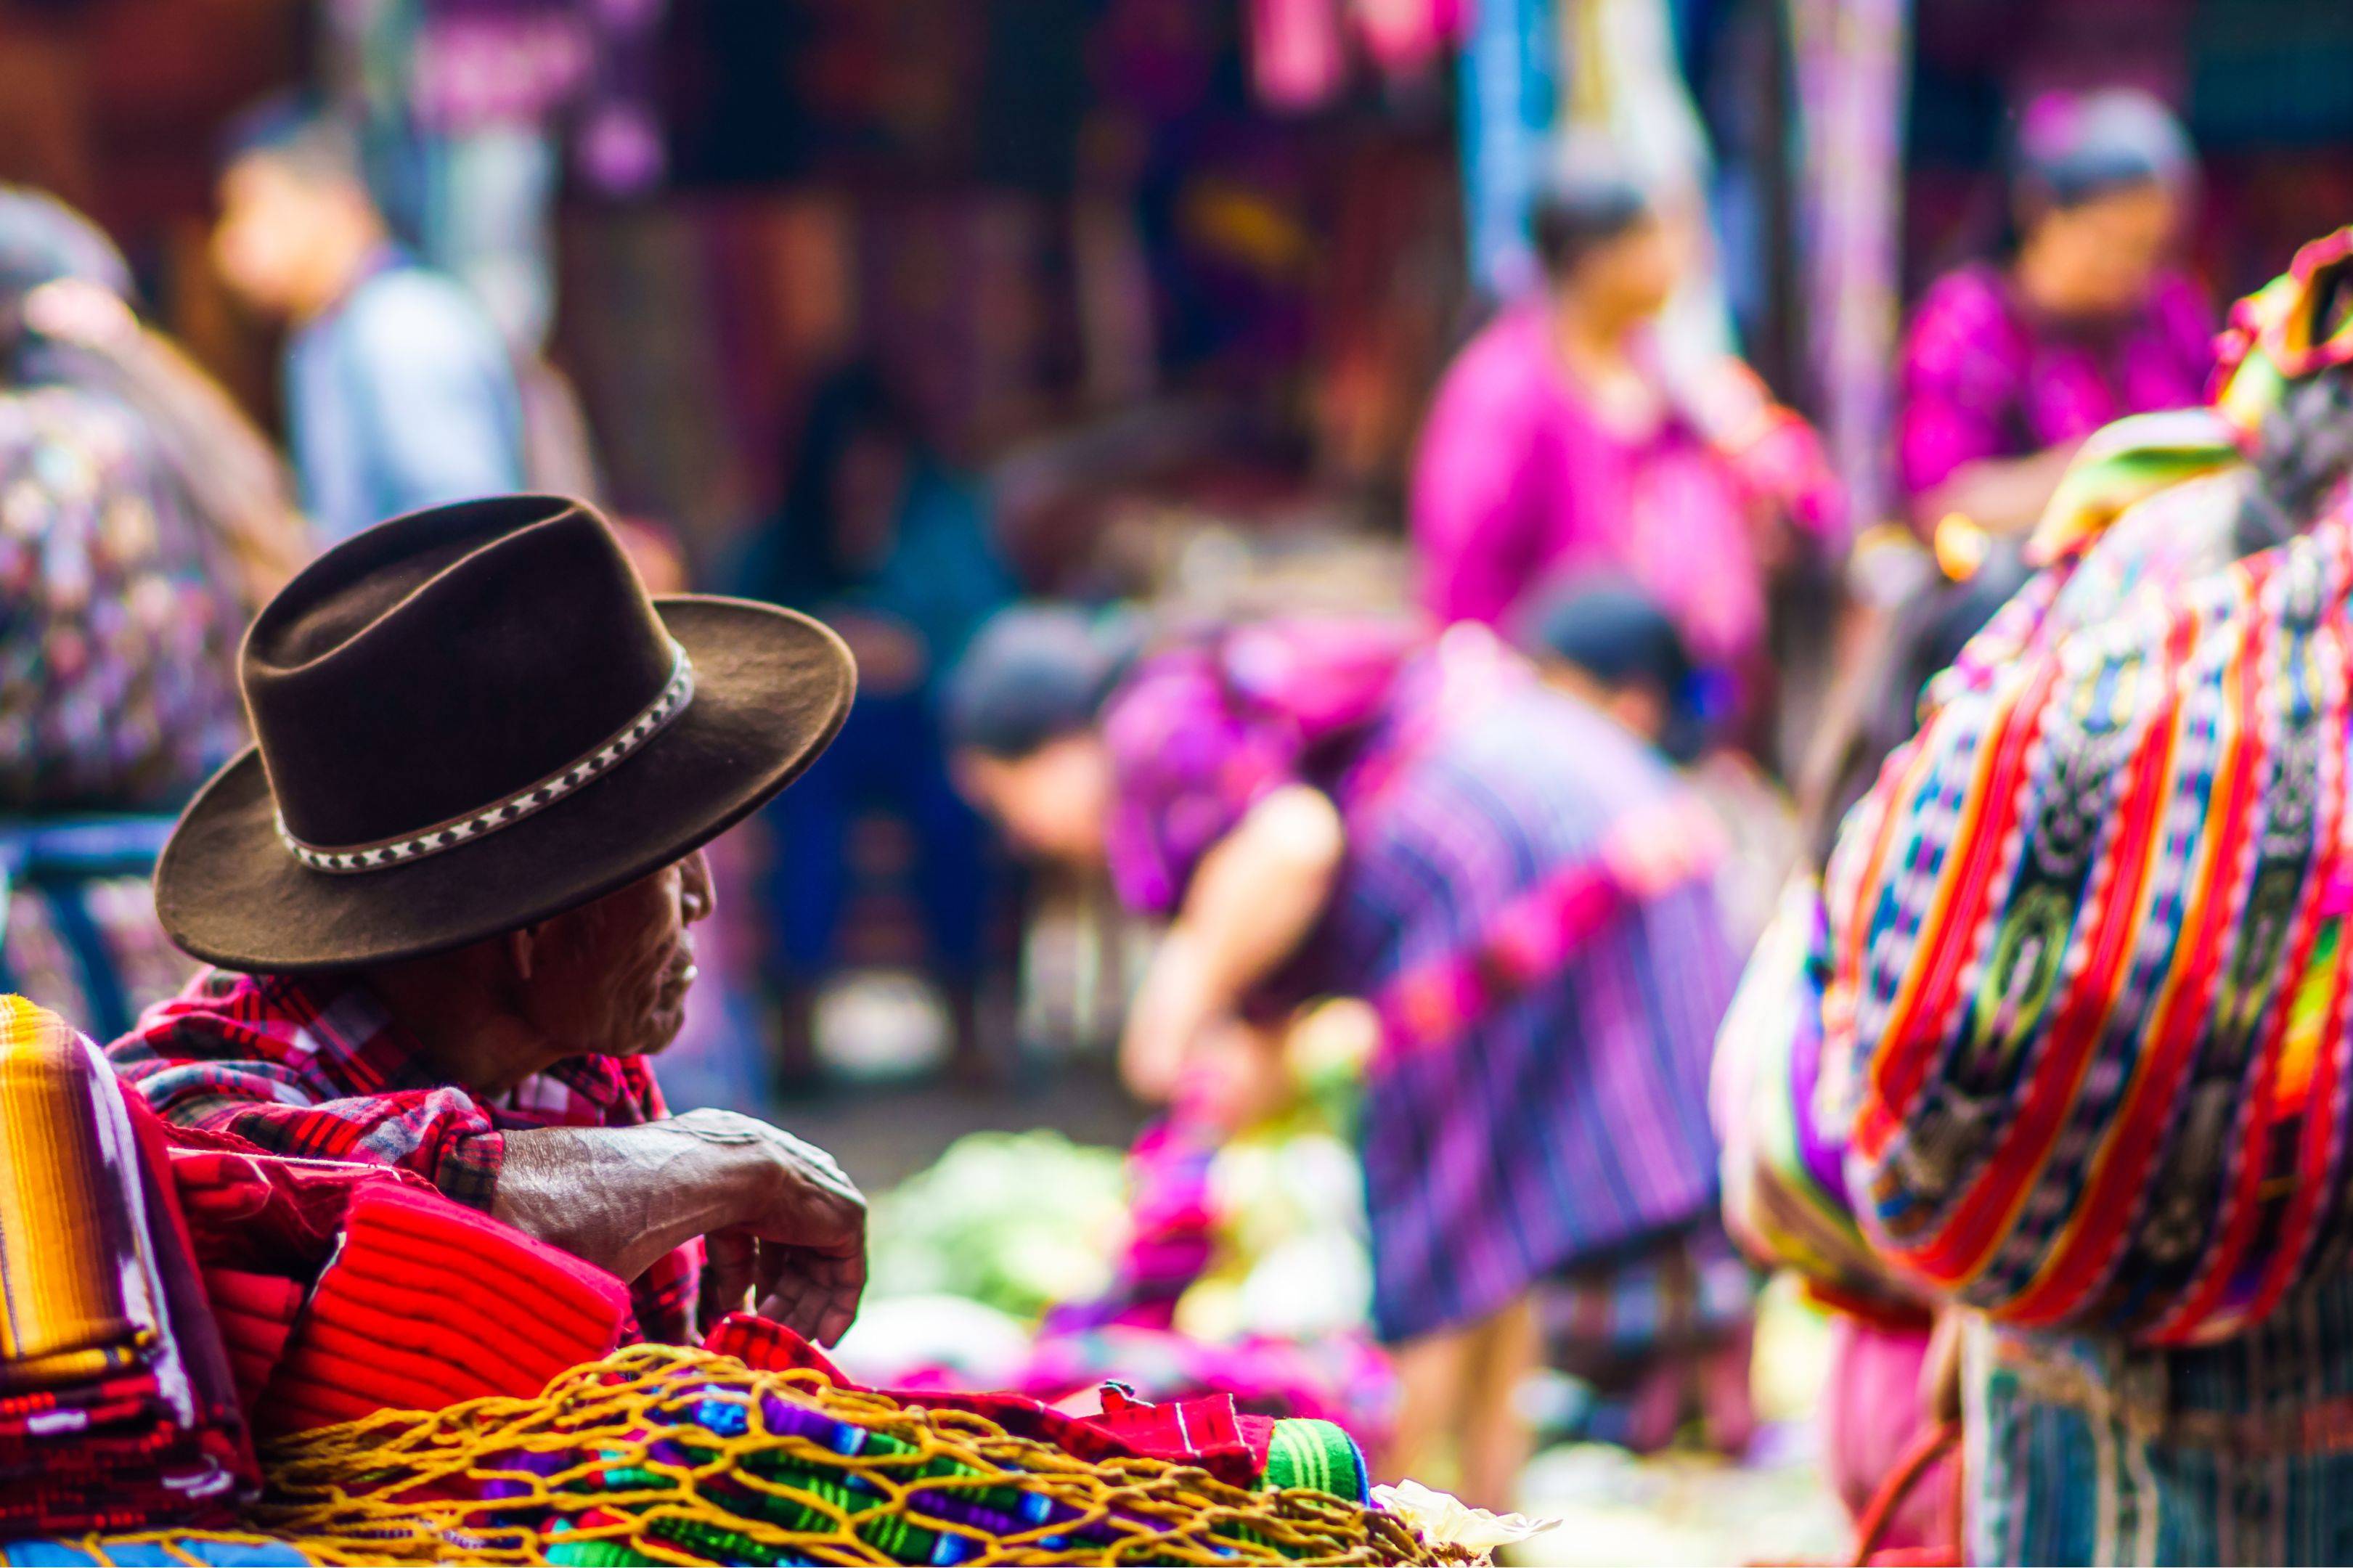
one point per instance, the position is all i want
(522, 951)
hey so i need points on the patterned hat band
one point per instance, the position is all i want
(630, 739)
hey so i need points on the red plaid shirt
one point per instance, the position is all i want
(313, 1067)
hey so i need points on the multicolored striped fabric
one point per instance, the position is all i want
(73, 1304)
(117, 1408)
(1318, 1457)
(2087, 933)
(1782, 1112)
(2083, 1448)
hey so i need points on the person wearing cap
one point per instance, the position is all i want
(449, 894)
(1334, 807)
(1563, 441)
(2008, 364)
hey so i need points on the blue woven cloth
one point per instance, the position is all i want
(2083, 1450)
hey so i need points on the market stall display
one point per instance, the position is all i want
(438, 1388)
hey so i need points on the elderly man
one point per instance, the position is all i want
(450, 894)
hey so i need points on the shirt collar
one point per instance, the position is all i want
(358, 1039)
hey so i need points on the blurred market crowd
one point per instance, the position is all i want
(1499, 683)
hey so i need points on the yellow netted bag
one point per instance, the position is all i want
(660, 1454)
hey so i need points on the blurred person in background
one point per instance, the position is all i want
(880, 537)
(1345, 809)
(400, 393)
(142, 520)
(1610, 644)
(2082, 319)
(1562, 442)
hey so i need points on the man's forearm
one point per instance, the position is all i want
(620, 1197)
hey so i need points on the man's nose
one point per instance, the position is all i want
(696, 899)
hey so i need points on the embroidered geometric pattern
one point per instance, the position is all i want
(2085, 952)
(669, 705)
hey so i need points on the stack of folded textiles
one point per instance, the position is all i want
(117, 1408)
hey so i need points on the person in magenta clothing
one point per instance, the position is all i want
(1563, 443)
(1325, 807)
(2007, 366)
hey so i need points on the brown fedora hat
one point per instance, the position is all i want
(473, 718)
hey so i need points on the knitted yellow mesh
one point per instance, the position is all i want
(660, 1454)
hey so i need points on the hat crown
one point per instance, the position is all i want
(441, 662)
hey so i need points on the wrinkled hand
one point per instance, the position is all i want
(800, 1249)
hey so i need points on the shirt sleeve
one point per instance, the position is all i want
(1474, 523)
(440, 1134)
(441, 419)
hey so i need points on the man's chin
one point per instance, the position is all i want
(661, 1032)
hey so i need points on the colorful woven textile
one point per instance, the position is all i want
(154, 1550)
(1317, 1457)
(116, 663)
(2087, 935)
(1783, 1112)
(664, 1453)
(116, 1405)
(2124, 464)
(255, 1314)
(1209, 1431)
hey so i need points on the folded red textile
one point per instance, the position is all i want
(429, 1303)
(572, 1298)
(251, 1210)
(202, 1356)
(255, 1314)
(1207, 1433)
(266, 1296)
(122, 1411)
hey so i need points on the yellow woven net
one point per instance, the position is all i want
(667, 1455)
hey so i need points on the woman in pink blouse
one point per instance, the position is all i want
(2007, 366)
(1563, 443)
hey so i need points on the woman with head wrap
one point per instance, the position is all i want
(2064, 1043)
(140, 519)
(1345, 809)
(1562, 442)
(2008, 365)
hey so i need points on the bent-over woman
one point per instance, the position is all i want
(1345, 809)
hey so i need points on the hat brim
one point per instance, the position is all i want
(772, 689)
